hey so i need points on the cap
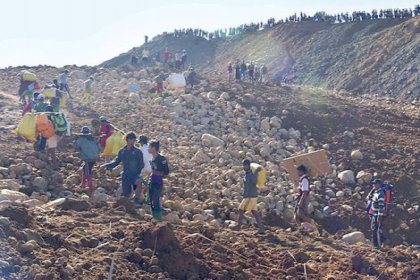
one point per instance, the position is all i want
(85, 130)
(376, 181)
(103, 119)
(40, 96)
(246, 162)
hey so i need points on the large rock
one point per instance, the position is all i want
(364, 177)
(10, 184)
(356, 155)
(201, 157)
(40, 183)
(347, 177)
(354, 237)
(12, 195)
(209, 140)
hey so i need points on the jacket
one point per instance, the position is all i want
(132, 160)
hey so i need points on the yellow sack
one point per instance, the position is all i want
(49, 92)
(119, 142)
(27, 127)
(113, 144)
(28, 76)
(63, 102)
(261, 175)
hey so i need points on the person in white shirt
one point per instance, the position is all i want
(147, 169)
(303, 191)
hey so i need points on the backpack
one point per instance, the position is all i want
(41, 122)
(387, 189)
(60, 123)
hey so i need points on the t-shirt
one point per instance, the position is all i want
(160, 163)
(250, 185)
(63, 78)
(304, 184)
(147, 158)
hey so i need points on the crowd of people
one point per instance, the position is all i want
(144, 168)
(297, 17)
(247, 71)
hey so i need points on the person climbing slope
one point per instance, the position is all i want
(160, 169)
(87, 94)
(250, 194)
(132, 160)
(146, 171)
(302, 198)
(377, 212)
(89, 153)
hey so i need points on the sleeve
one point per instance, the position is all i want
(109, 130)
(254, 178)
(305, 185)
(114, 163)
(165, 166)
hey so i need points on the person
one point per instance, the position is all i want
(87, 86)
(166, 55)
(251, 72)
(302, 198)
(146, 39)
(105, 131)
(134, 59)
(89, 152)
(147, 169)
(159, 81)
(160, 169)
(52, 141)
(41, 105)
(243, 70)
(132, 160)
(178, 60)
(230, 71)
(145, 56)
(237, 70)
(183, 59)
(31, 104)
(250, 194)
(26, 87)
(63, 85)
(190, 76)
(264, 73)
(377, 212)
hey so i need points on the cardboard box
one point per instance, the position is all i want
(316, 162)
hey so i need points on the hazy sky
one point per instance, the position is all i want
(58, 32)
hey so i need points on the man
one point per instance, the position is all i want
(159, 81)
(41, 105)
(243, 70)
(249, 202)
(62, 78)
(190, 77)
(87, 86)
(166, 55)
(302, 199)
(377, 212)
(160, 169)
(89, 153)
(147, 169)
(178, 60)
(183, 59)
(145, 56)
(132, 160)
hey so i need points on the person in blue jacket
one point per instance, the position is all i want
(132, 160)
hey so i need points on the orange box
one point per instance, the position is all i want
(316, 162)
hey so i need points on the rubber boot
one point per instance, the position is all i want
(90, 184)
(157, 215)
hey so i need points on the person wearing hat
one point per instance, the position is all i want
(132, 160)
(376, 212)
(146, 171)
(40, 104)
(89, 152)
(105, 131)
(250, 194)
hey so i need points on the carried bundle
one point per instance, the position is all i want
(114, 144)
(27, 127)
(261, 174)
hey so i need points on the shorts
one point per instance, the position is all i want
(128, 184)
(248, 204)
(52, 142)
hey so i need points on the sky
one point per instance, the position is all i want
(88, 32)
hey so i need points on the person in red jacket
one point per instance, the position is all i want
(106, 130)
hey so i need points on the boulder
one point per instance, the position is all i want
(201, 157)
(347, 177)
(354, 237)
(12, 195)
(364, 177)
(10, 184)
(356, 155)
(209, 140)
(40, 183)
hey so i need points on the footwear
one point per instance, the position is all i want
(157, 215)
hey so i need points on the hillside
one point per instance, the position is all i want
(379, 57)
(53, 230)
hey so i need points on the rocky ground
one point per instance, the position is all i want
(51, 231)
